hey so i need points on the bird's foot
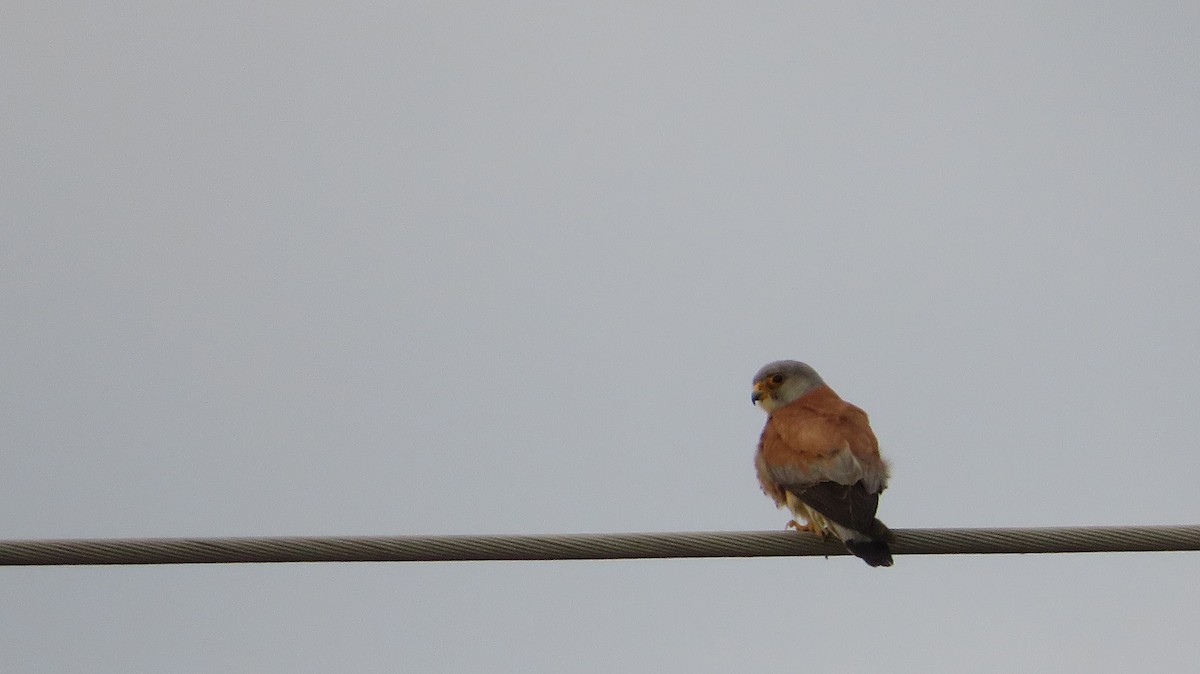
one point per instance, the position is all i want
(810, 527)
(807, 526)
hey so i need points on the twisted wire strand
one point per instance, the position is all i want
(585, 546)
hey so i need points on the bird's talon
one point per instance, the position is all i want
(807, 526)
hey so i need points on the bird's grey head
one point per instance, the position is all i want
(782, 381)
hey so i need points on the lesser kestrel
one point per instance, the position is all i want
(819, 457)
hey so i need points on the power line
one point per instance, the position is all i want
(584, 546)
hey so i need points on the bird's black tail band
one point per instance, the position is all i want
(873, 552)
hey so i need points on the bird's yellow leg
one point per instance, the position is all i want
(809, 526)
(813, 522)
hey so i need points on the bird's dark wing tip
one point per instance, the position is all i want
(879, 531)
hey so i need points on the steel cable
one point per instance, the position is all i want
(584, 546)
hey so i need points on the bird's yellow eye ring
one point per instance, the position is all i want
(777, 379)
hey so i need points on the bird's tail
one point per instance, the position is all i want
(874, 553)
(872, 547)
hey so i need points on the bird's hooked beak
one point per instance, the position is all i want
(758, 394)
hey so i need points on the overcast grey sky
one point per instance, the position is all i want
(437, 268)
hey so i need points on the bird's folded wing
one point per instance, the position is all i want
(849, 505)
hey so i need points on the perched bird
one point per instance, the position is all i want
(818, 456)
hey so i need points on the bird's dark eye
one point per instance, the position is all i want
(777, 379)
